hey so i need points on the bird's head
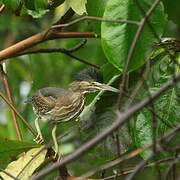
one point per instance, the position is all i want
(90, 86)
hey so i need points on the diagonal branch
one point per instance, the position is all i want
(39, 38)
(9, 96)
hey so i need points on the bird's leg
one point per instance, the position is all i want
(56, 147)
(39, 139)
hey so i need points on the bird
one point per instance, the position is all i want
(56, 105)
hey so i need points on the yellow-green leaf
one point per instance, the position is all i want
(79, 7)
(10, 149)
(24, 167)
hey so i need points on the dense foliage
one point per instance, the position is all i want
(133, 43)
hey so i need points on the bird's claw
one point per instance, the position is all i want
(56, 156)
(39, 139)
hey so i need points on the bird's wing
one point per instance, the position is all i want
(67, 106)
(52, 92)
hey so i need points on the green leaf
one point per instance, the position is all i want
(3, 131)
(96, 9)
(9, 149)
(143, 124)
(37, 8)
(117, 38)
(109, 71)
(30, 4)
(143, 132)
(79, 6)
(25, 166)
(166, 107)
(12, 4)
(40, 4)
(172, 9)
(38, 14)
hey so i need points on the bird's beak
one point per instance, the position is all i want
(108, 88)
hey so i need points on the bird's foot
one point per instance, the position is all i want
(57, 156)
(38, 139)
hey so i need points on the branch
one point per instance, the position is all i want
(133, 45)
(122, 118)
(9, 96)
(130, 170)
(96, 19)
(67, 52)
(18, 114)
(39, 38)
(51, 34)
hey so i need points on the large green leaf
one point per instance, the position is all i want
(109, 71)
(117, 38)
(9, 149)
(96, 9)
(166, 108)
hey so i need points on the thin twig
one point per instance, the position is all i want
(176, 160)
(133, 45)
(122, 118)
(139, 84)
(67, 52)
(130, 170)
(78, 46)
(9, 97)
(96, 19)
(139, 167)
(52, 50)
(57, 50)
(18, 114)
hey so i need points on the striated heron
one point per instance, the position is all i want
(56, 105)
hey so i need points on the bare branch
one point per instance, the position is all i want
(9, 96)
(67, 52)
(96, 19)
(39, 38)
